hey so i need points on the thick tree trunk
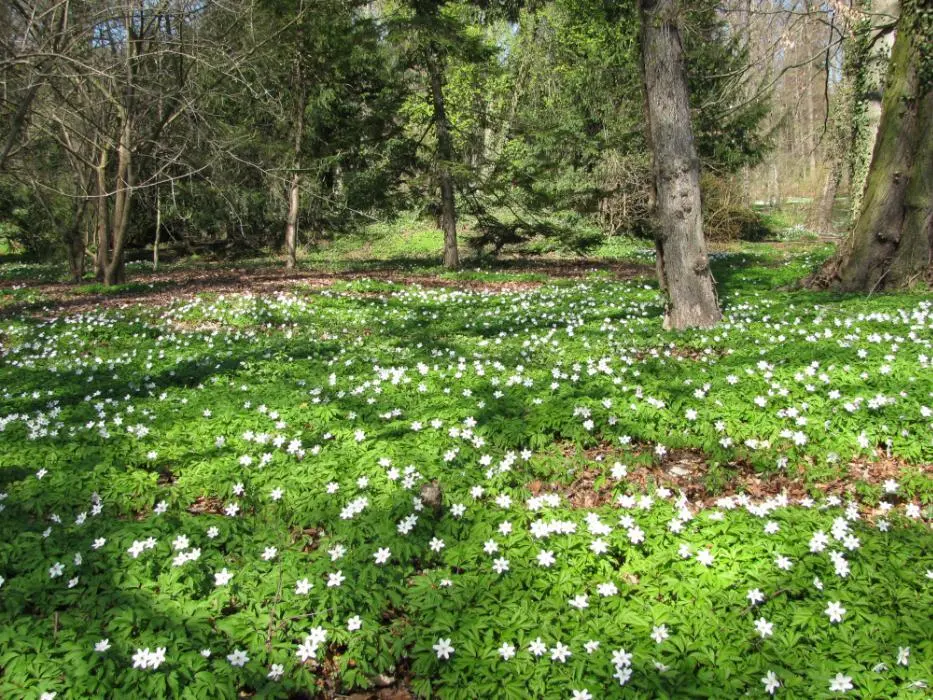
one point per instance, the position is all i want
(892, 243)
(444, 158)
(684, 266)
(869, 89)
(115, 272)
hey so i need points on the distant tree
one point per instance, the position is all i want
(434, 58)
(326, 81)
(438, 35)
(434, 31)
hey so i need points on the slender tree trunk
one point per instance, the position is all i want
(74, 239)
(115, 271)
(684, 262)
(158, 232)
(294, 185)
(75, 244)
(291, 222)
(103, 216)
(774, 187)
(892, 243)
(821, 213)
(444, 157)
(811, 133)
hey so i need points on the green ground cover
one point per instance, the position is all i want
(522, 490)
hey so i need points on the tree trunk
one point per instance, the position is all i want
(820, 219)
(774, 188)
(444, 157)
(812, 140)
(685, 269)
(74, 240)
(75, 244)
(294, 185)
(291, 223)
(892, 243)
(158, 231)
(115, 271)
(869, 82)
(103, 216)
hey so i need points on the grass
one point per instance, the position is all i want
(314, 492)
(97, 288)
(406, 239)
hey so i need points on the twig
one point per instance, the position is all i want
(286, 620)
(270, 629)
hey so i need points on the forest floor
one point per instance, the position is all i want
(371, 478)
(403, 257)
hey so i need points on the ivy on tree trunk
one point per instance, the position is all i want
(891, 245)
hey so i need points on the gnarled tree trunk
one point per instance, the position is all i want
(444, 157)
(892, 243)
(683, 262)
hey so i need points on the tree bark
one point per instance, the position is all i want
(812, 140)
(891, 245)
(103, 215)
(774, 188)
(75, 242)
(444, 157)
(115, 270)
(820, 219)
(112, 222)
(684, 263)
(294, 184)
(158, 232)
(869, 88)
(291, 223)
